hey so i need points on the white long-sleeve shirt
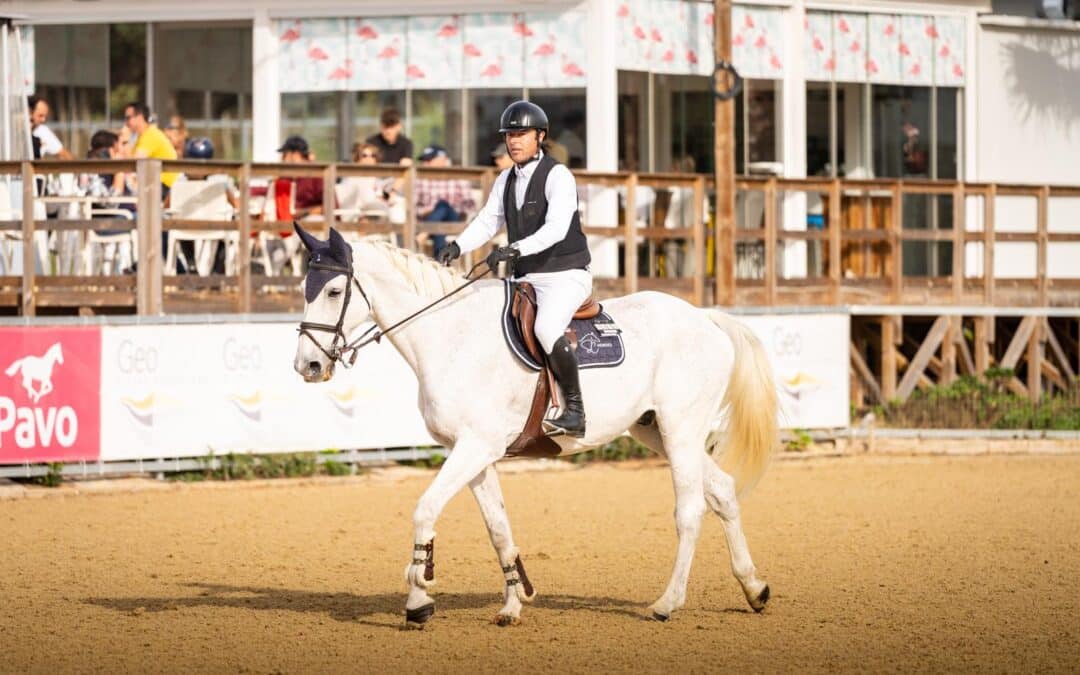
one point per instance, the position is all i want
(561, 193)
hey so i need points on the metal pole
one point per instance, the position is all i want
(724, 149)
(8, 131)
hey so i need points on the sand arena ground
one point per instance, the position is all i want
(876, 564)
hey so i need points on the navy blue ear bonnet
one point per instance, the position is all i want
(334, 252)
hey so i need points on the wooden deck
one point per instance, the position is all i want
(854, 252)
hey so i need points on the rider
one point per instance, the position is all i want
(537, 199)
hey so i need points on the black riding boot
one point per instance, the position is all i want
(564, 364)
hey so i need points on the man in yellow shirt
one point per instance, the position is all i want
(150, 142)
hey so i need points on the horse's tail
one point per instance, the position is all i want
(14, 367)
(750, 402)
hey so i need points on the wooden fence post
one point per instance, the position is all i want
(29, 302)
(149, 299)
(630, 256)
(243, 252)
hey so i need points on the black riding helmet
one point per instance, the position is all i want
(523, 115)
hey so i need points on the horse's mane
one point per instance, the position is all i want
(427, 277)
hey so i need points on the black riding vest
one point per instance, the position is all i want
(571, 253)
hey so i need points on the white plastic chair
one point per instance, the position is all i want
(109, 252)
(199, 200)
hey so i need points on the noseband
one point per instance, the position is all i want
(336, 351)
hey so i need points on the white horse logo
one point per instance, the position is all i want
(37, 369)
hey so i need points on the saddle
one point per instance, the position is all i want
(532, 441)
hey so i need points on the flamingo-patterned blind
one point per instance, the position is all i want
(432, 52)
(675, 36)
(885, 48)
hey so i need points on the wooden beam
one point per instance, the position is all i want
(958, 243)
(1040, 265)
(724, 159)
(699, 241)
(835, 274)
(965, 362)
(982, 344)
(243, 251)
(1052, 373)
(866, 376)
(770, 242)
(1036, 351)
(28, 306)
(1019, 342)
(948, 353)
(630, 253)
(988, 249)
(149, 298)
(1059, 353)
(891, 329)
(918, 364)
(896, 249)
(409, 230)
(329, 198)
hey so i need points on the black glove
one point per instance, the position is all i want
(502, 254)
(449, 253)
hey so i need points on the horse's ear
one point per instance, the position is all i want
(339, 248)
(310, 242)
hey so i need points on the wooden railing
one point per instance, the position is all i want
(858, 250)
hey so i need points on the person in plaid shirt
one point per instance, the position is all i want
(441, 200)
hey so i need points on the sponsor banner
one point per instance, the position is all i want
(49, 404)
(810, 360)
(170, 391)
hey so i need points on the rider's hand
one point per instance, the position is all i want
(502, 254)
(449, 253)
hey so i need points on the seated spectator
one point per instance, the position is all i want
(45, 142)
(105, 145)
(150, 141)
(441, 200)
(394, 146)
(308, 199)
(368, 193)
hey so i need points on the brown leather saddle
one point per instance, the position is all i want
(532, 441)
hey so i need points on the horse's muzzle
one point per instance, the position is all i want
(314, 372)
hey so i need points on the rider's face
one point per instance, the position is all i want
(522, 145)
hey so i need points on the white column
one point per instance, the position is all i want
(793, 138)
(602, 129)
(265, 94)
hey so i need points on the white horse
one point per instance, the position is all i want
(37, 369)
(687, 366)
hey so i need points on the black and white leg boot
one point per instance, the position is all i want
(564, 365)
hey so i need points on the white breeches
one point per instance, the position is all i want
(558, 296)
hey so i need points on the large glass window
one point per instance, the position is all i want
(72, 75)
(315, 117)
(565, 109)
(436, 119)
(486, 107)
(203, 74)
(634, 121)
(683, 123)
(901, 131)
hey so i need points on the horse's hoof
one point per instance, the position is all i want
(758, 604)
(505, 620)
(660, 617)
(416, 619)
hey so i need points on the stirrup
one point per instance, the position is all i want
(553, 430)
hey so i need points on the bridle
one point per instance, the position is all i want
(337, 352)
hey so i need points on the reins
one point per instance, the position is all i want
(337, 353)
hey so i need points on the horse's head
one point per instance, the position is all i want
(332, 310)
(57, 353)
